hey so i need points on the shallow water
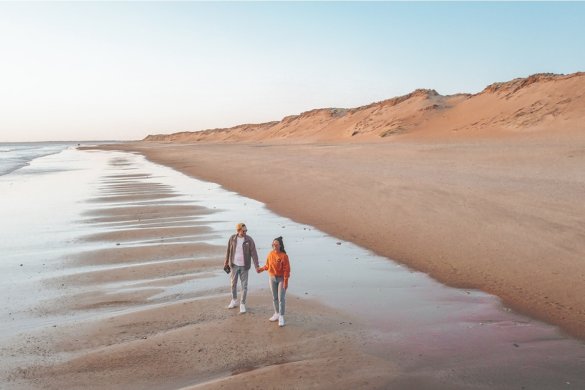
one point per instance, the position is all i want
(430, 326)
(17, 155)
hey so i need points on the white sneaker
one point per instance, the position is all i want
(232, 304)
(242, 308)
(280, 320)
(274, 317)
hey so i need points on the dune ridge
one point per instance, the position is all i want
(540, 102)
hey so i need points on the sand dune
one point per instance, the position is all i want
(541, 102)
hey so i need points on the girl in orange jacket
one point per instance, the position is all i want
(278, 268)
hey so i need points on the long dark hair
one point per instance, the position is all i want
(279, 239)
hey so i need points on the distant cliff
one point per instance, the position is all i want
(541, 102)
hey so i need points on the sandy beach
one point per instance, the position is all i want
(112, 325)
(139, 302)
(500, 215)
(128, 308)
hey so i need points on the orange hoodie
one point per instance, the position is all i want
(277, 264)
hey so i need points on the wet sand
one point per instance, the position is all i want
(360, 322)
(114, 326)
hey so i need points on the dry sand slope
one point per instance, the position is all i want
(481, 191)
(539, 102)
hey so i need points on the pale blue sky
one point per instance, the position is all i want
(90, 71)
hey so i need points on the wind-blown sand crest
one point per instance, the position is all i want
(536, 103)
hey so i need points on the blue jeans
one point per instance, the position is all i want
(242, 272)
(278, 293)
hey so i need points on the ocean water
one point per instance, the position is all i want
(14, 156)
(44, 199)
(40, 194)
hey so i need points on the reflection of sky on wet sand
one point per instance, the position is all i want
(409, 312)
(39, 203)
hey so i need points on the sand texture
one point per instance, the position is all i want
(112, 328)
(503, 216)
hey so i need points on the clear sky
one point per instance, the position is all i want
(123, 70)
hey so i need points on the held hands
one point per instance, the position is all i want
(259, 269)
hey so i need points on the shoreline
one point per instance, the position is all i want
(498, 215)
(141, 304)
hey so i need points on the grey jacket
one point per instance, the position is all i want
(249, 251)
